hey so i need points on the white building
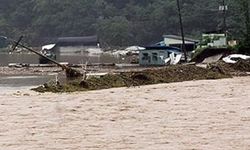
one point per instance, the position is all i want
(176, 41)
(78, 45)
(214, 39)
(159, 55)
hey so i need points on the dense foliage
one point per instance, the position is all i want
(116, 22)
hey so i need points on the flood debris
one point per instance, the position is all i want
(70, 72)
(167, 74)
(202, 54)
(236, 69)
(234, 58)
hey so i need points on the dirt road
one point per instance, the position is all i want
(194, 115)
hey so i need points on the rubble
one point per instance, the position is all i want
(237, 69)
(202, 54)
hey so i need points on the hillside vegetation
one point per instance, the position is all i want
(116, 22)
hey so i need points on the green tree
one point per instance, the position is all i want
(245, 44)
(120, 23)
(114, 31)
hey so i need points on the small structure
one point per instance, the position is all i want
(75, 45)
(47, 50)
(71, 46)
(176, 41)
(214, 39)
(232, 43)
(159, 55)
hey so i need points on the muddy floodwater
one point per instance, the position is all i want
(25, 80)
(193, 115)
(17, 83)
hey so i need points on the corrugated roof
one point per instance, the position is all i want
(180, 38)
(167, 48)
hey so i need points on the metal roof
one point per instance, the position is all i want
(165, 48)
(180, 38)
(162, 48)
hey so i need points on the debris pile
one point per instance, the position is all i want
(72, 73)
(238, 69)
(202, 54)
(242, 65)
(168, 74)
(234, 58)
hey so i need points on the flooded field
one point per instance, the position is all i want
(6, 58)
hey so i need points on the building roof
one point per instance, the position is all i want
(72, 41)
(180, 38)
(166, 48)
(162, 48)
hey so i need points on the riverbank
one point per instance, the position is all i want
(205, 114)
(121, 75)
(169, 74)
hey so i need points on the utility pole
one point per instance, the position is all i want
(224, 8)
(183, 47)
(224, 17)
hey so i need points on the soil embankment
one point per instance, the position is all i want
(127, 79)
(167, 74)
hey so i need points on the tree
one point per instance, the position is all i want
(245, 44)
(141, 22)
(114, 31)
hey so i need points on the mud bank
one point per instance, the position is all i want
(168, 74)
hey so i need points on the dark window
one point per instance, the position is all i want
(145, 56)
(154, 56)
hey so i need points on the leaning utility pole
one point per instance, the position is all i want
(70, 72)
(182, 31)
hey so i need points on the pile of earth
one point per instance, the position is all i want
(168, 74)
(240, 68)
